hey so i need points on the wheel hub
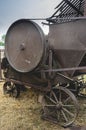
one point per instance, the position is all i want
(59, 105)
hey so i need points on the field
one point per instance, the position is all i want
(24, 113)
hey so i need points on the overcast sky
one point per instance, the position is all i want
(11, 10)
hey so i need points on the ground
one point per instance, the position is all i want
(24, 113)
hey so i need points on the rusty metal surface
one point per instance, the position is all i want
(28, 85)
(24, 45)
(64, 69)
(68, 41)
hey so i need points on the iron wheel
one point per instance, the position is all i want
(61, 106)
(11, 89)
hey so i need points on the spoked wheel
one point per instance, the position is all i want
(11, 89)
(60, 106)
(82, 92)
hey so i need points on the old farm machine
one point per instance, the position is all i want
(50, 63)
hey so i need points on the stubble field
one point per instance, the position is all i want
(24, 113)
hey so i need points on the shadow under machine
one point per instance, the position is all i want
(49, 64)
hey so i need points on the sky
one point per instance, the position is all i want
(12, 10)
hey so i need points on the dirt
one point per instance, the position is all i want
(24, 113)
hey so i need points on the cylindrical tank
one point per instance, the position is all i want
(25, 45)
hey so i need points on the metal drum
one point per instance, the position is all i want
(25, 45)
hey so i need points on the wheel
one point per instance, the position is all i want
(82, 92)
(12, 89)
(82, 86)
(60, 106)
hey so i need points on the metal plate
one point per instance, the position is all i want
(68, 41)
(24, 45)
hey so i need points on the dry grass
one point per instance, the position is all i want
(24, 113)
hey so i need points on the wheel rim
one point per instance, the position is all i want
(7, 87)
(11, 89)
(62, 105)
(14, 90)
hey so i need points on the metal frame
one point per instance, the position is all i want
(66, 9)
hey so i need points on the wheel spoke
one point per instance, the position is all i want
(67, 100)
(68, 105)
(51, 99)
(49, 105)
(70, 113)
(59, 94)
(58, 115)
(64, 115)
(55, 96)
